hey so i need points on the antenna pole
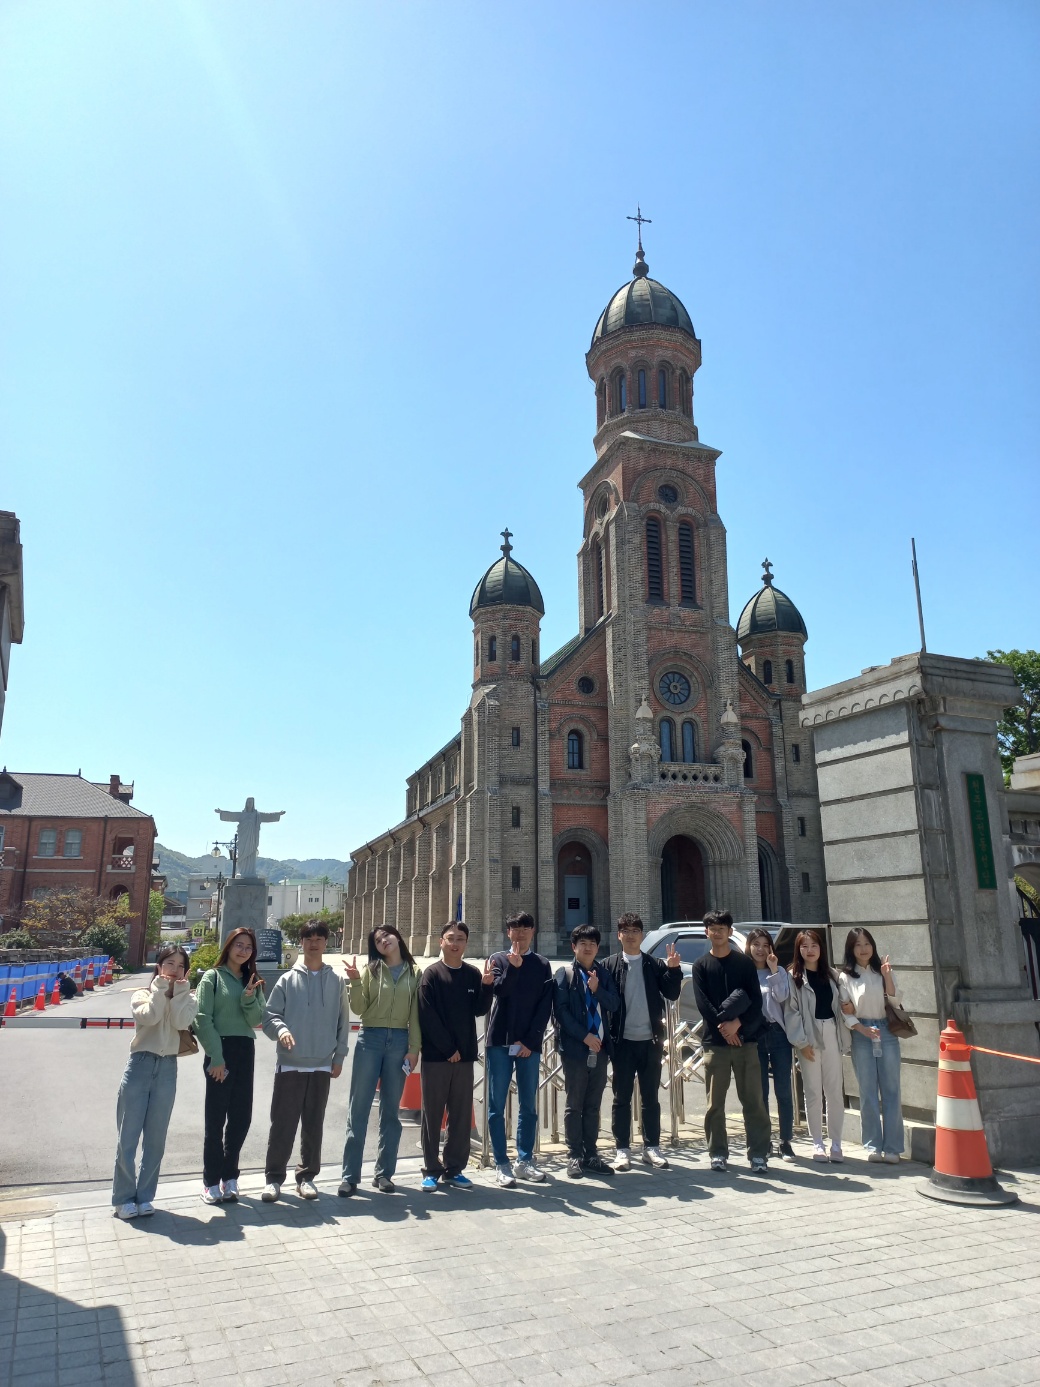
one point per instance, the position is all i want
(917, 589)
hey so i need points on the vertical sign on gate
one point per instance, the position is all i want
(981, 838)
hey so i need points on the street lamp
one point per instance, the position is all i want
(232, 848)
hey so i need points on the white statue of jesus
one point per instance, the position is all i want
(248, 821)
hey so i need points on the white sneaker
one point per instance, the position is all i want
(653, 1155)
(875, 1156)
(623, 1159)
(145, 1210)
(307, 1189)
(229, 1190)
(127, 1210)
(891, 1158)
(819, 1151)
(211, 1194)
(837, 1155)
(527, 1170)
(505, 1176)
(271, 1191)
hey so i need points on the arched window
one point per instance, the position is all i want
(476, 652)
(767, 671)
(597, 578)
(654, 567)
(622, 396)
(601, 401)
(687, 583)
(684, 393)
(575, 751)
(689, 742)
(667, 739)
(789, 670)
(534, 652)
(662, 389)
(514, 648)
(642, 390)
(749, 765)
(492, 648)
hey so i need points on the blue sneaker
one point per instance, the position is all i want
(429, 1183)
(459, 1182)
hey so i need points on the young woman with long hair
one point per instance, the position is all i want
(812, 1017)
(230, 1000)
(385, 998)
(774, 1049)
(161, 1011)
(865, 980)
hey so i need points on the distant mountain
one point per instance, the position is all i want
(176, 867)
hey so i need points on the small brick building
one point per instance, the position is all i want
(61, 831)
(655, 763)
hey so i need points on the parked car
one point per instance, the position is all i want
(691, 941)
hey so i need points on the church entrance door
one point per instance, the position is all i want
(576, 902)
(574, 878)
(682, 881)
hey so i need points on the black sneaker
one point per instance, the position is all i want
(346, 1189)
(596, 1165)
(786, 1151)
(383, 1185)
(574, 1169)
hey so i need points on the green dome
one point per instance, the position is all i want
(770, 610)
(642, 301)
(506, 584)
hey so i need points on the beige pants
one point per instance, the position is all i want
(821, 1079)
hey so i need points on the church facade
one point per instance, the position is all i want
(655, 763)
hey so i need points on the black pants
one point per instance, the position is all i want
(296, 1098)
(584, 1098)
(446, 1086)
(229, 1110)
(632, 1059)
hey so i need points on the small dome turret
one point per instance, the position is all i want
(770, 610)
(506, 584)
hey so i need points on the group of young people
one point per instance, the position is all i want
(757, 1020)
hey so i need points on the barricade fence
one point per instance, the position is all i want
(27, 978)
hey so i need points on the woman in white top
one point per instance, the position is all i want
(865, 979)
(161, 1011)
(812, 1017)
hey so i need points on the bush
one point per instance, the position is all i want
(201, 959)
(17, 939)
(291, 925)
(105, 939)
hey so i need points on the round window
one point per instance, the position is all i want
(603, 507)
(673, 687)
(586, 685)
(668, 495)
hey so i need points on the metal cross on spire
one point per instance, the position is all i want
(640, 221)
(767, 575)
(507, 535)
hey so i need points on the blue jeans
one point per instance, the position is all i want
(881, 1125)
(775, 1053)
(143, 1109)
(501, 1065)
(378, 1057)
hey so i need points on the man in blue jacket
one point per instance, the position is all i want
(519, 1014)
(586, 997)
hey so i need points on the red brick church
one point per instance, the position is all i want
(655, 762)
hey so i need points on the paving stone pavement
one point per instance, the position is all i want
(810, 1275)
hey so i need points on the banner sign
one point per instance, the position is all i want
(982, 841)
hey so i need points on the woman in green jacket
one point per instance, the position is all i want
(230, 1007)
(385, 997)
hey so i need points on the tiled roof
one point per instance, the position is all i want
(557, 658)
(59, 797)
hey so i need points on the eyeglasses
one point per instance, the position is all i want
(521, 926)
(630, 929)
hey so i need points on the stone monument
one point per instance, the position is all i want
(245, 896)
(915, 834)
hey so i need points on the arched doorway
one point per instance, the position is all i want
(768, 882)
(574, 878)
(682, 880)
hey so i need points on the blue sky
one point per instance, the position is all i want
(295, 302)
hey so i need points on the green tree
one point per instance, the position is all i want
(203, 958)
(108, 937)
(73, 911)
(153, 928)
(1018, 731)
(291, 925)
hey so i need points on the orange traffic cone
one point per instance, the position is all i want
(109, 970)
(962, 1173)
(77, 978)
(11, 1009)
(56, 994)
(411, 1098)
(89, 981)
(41, 999)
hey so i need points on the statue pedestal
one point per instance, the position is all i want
(245, 906)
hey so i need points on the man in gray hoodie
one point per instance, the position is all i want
(308, 1016)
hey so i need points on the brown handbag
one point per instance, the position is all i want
(189, 1043)
(899, 1023)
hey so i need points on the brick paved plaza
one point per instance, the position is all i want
(676, 1277)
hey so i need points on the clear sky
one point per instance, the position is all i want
(295, 302)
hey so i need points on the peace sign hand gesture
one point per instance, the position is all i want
(886, 967)
(514, 957)
(351, 970)
(671, 957)
(488, 975)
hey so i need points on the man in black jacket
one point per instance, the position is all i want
(516, 1025)
(452, 994)
(729, 999)
(586, 998)
(637, 1030)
